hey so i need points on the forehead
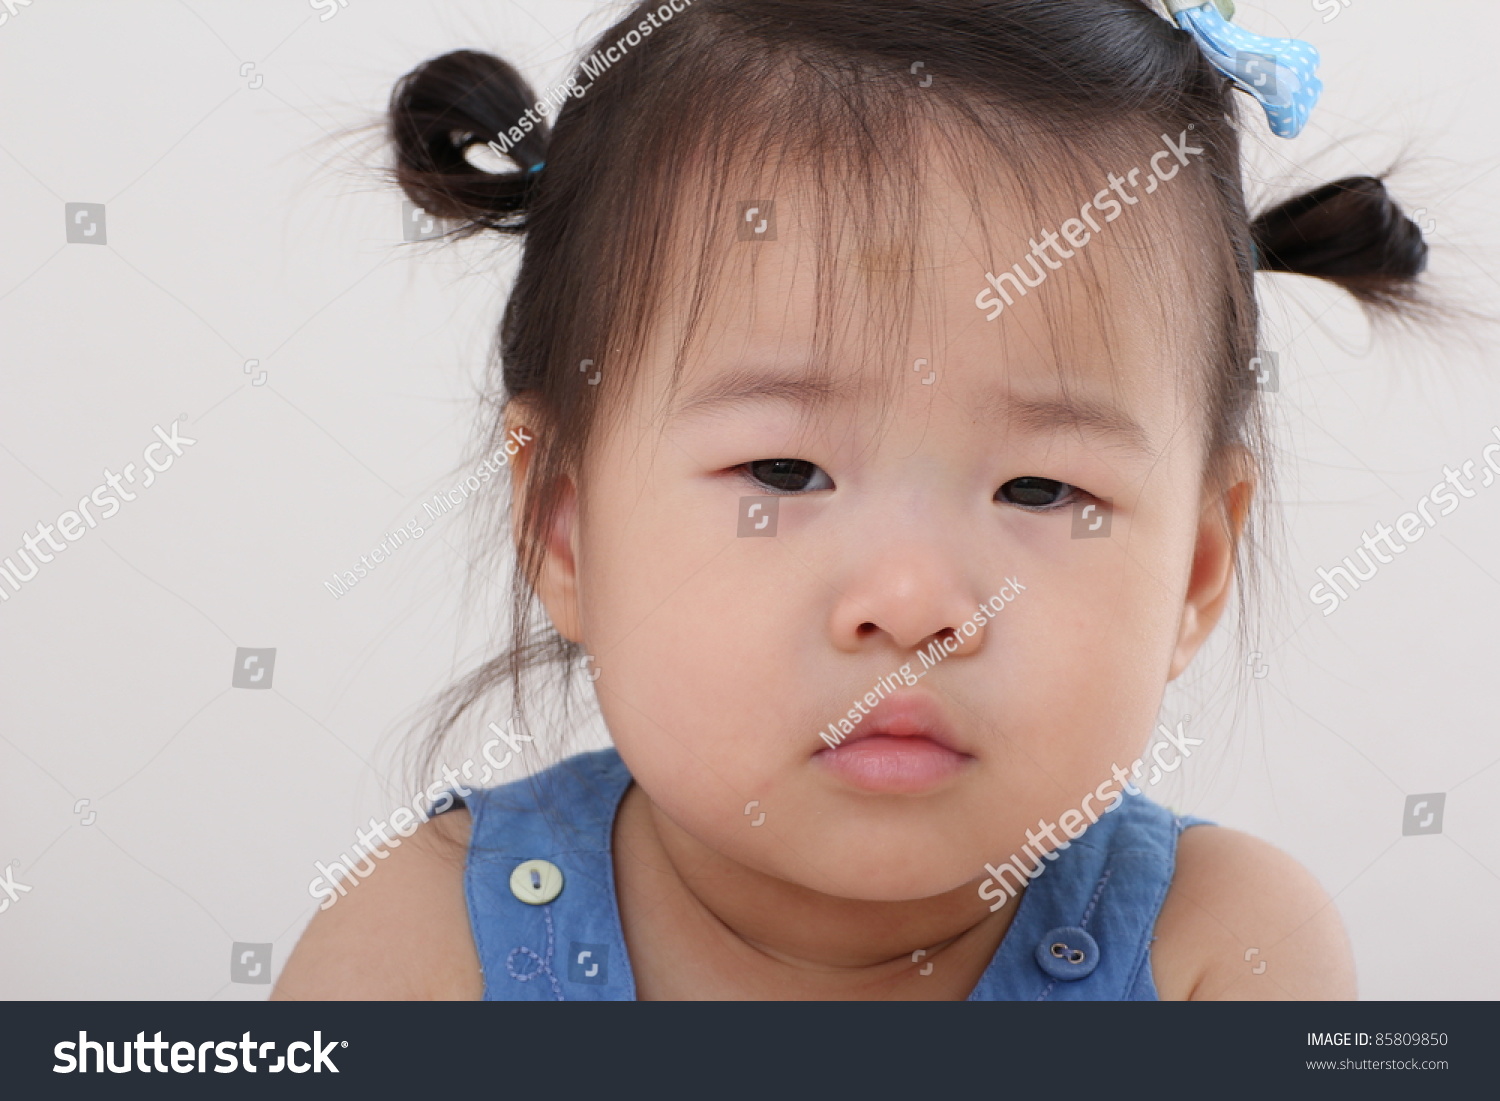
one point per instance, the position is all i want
(845, 281)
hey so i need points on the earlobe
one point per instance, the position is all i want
(1211, 578)
(557, 583)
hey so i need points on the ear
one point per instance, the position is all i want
(1221, 521)
(556, 583)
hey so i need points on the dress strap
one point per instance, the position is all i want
(1084, 926)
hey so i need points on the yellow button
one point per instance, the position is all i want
(536, 882)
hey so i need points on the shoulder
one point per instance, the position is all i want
(401, 933)
(1244, 921)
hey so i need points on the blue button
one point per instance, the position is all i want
(1068, 953)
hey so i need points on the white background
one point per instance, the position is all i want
(252, 223)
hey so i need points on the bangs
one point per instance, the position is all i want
(844, 160)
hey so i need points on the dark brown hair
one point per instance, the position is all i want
(832, 87)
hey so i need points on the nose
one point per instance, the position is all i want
(909, 592)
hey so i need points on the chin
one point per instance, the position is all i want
(878, 875)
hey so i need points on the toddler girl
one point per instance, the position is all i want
(890, 371)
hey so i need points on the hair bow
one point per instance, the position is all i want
(1280, 72)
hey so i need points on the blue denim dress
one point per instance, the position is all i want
(1082, 931)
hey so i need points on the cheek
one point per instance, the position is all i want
(1082, 664)
(690, 627)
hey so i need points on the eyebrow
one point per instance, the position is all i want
(745, 386)
(1049, 414)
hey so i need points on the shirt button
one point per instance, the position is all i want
(536, 882)
(1068, 953)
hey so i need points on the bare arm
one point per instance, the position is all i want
(1243, 921)
(402, 933)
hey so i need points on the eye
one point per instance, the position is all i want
(1037, 493)
(788, 475)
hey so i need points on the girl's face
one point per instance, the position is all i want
(919, 482)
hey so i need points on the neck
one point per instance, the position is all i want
(699, 924)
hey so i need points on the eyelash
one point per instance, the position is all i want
(1071, 493)
(1068, 491)
(748, 470)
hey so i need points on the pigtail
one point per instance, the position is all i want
(1350, 232)
(447, 105)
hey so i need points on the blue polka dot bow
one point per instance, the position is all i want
(1280, 72)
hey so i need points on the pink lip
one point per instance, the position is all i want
(903, 747)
